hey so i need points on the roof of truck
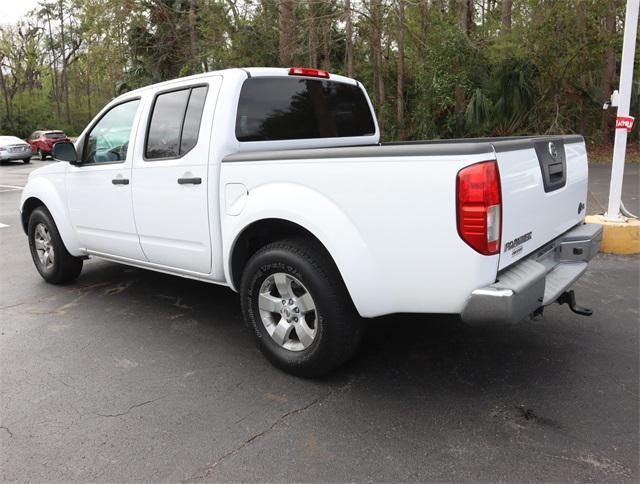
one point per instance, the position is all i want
(249, 71)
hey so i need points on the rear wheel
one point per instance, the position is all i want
(26, 160)
(298, 308)
(50, 256)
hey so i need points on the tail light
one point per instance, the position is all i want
(304, 71)
(479, 203)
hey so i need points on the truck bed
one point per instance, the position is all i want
(524, 164)
(458, 146)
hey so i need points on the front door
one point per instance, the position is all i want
(170, 178)
(99, 188)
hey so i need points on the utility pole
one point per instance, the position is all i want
(621, 99)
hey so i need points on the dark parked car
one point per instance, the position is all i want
(42, 141)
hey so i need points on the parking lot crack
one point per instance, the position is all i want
(132, 407)
(177, 301)
(14, 305)
(208, 470)
(7, 429)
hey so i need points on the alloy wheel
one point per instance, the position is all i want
(44, 246)
(288, 311)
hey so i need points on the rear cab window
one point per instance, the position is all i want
(287, 108)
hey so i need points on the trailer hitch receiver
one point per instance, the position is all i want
(569, 297)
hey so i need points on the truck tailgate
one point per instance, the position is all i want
(544, 191)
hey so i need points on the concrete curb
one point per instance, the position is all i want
(618, 237)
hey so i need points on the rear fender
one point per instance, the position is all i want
(332, 227)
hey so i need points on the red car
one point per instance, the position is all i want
(42, 141)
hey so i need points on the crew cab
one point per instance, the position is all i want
(274, 182)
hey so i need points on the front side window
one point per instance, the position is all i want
(175, 123)
(108, 140)
(284, 108)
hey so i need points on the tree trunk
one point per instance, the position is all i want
(287, 32)
(609, 70)
(349, 38)
(55, 91)
(65, 69)
(400, 79)
(583, 79)
(89, 95)
(313, 36)
(505, 23)
(376, 42)
(424, 10)
(464, 15)
(464, 19)
(193, 37)
(326, 47)
(7, 103)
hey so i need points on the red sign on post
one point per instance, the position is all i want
(625, 122)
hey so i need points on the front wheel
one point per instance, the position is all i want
(298, 308)
(41, 155)
(50, 256)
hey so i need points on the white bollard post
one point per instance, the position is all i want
(623, 101)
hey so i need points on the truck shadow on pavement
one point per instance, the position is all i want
(398, 350)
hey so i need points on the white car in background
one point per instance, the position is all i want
(13, 148)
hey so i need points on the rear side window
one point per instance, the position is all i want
(282, 108)
(175, 123)
(192, 118)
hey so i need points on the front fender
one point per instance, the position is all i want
(48, 191)
(328, 223)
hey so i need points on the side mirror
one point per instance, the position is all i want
(65, 151)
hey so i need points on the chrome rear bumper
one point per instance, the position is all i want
(536, 281)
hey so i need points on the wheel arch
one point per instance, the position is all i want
(42, 193)
(265, 220)
(260, 233)
(29, 205)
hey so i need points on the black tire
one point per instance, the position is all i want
(65, 267)
(26, 160)
(41, 155)
(338, 327)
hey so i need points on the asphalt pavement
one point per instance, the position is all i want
(599, 178)
(128, 374)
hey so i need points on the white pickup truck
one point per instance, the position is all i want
(273, 182)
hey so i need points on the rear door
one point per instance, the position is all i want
(170, 178)
(544, 191)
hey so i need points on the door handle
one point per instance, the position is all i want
(120, 181)
(190, 181)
